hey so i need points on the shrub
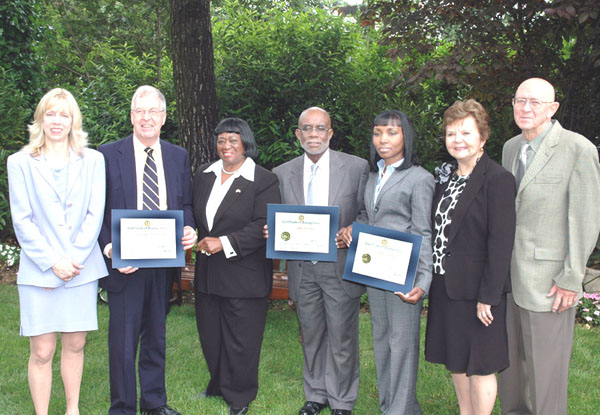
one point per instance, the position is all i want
(588, 309)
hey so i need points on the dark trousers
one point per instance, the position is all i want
(231, 332)
(137, 316)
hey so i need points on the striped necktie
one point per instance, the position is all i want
(150, 187)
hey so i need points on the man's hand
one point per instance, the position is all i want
(343, 238)
(127, 270)
(563, 300)
(209, 245)
(266, 232)
(412, 296)
(189, 237)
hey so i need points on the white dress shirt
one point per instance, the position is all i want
(140, 161)
(321, 179)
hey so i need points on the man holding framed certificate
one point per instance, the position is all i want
(144, 173)
(327, 306)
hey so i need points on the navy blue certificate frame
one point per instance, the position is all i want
(117, 262)
(416, 240)
(332, 211)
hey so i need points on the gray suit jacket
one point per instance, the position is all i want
(404, 204)
(558, 216)
(348, 176)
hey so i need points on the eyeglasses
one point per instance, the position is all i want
(533, 103)
(154, 113)
(320, 129)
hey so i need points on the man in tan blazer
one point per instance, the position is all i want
(558, 221)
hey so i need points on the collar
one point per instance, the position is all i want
(537, 140)
(391, 167)
(138, 146)
(246, 170)
(323, 160)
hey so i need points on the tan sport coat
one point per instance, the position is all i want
(558, 216)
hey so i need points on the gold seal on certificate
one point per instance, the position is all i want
(385, 259)
(310, 231)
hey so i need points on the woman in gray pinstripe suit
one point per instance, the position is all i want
(398, 196)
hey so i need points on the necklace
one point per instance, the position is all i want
(229, 172)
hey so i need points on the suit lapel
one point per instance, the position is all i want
(238, 187)
(170, 175)
(473, 186)
(46, 173)
(542, 156)
(126, 163)
(337, 175)
(297, 179)
(396, 177)
(75, 165)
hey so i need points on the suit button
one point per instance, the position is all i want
(69, 227)
(448, 254)
(376, 209)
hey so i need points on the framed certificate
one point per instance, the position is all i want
(382, 258)
(147, 238)
(302, 233)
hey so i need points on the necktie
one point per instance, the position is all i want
(522, 166)
(150, 183)
(310, 191)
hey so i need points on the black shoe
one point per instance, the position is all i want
(341, 412)
(238, 411)
(312, 408)
(161, 410)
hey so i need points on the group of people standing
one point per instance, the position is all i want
(502, 259)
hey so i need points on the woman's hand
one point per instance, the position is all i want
(66, 270)
(343, 238)
(412, 296)
(484, 313)
(209, 246)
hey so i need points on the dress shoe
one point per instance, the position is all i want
(341, 412)
(312, 408)
(238, 411)
(161, 410)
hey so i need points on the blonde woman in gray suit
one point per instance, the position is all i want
(398, 196)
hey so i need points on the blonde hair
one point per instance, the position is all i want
(77, 137)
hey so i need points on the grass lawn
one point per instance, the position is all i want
(280, 390)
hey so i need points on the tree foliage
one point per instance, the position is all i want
(489, 46)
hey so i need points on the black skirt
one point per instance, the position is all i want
(458, 339)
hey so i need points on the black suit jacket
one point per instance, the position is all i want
(481, 234)
(121, 191)
(241, 217)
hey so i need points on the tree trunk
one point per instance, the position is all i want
(194, 78)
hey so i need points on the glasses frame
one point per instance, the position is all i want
(152, 112)
(319, 129)
(534, 103)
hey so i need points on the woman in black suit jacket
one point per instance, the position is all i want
(473, 217)
(232, 276)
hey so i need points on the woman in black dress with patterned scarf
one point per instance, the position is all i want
(473, 217)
